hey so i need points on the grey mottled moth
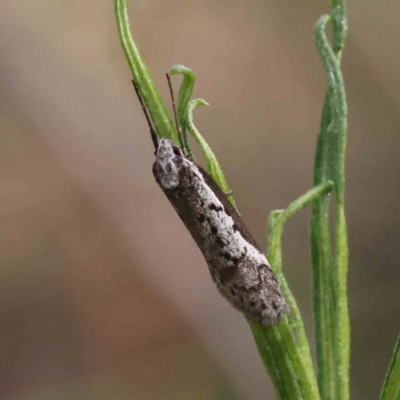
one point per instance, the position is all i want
(237, 265)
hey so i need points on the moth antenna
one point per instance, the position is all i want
(153, 133)
(178, 126)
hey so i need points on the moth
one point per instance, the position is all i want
(237, 265)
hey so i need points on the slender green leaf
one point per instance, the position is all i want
(391, 387)
(323, 271)
(185, 94)
(293, 361)
(162, 122)
(330, 274)
(213, 166)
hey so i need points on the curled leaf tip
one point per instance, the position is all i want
(180, 69)
(195, 103)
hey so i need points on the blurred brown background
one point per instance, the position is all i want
(103, 293)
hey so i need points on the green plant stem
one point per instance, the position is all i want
(277, 348)
(391, 387)
(162, 121)
(288, 361)
(330, 273)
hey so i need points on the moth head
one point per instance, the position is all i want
(166, 150)
(169, 160)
